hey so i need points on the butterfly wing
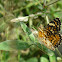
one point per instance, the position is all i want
(52, 30)
(54, 26)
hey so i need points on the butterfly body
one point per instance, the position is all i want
(50, 36)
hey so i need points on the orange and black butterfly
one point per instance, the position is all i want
(50, 36)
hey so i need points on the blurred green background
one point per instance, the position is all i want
(19, 22)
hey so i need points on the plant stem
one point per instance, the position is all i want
(58, 52)
(50, 3)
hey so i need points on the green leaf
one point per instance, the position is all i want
(13, 45)
(42, 47)
(59, 59)
(43, 59)
(27, 31)
(32, 60)
(52, 57)
(49, 52)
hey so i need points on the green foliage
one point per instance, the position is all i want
(19, 20)
(11, 45)
(44, 59)
(32, 60)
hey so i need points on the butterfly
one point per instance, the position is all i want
(49, 36)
